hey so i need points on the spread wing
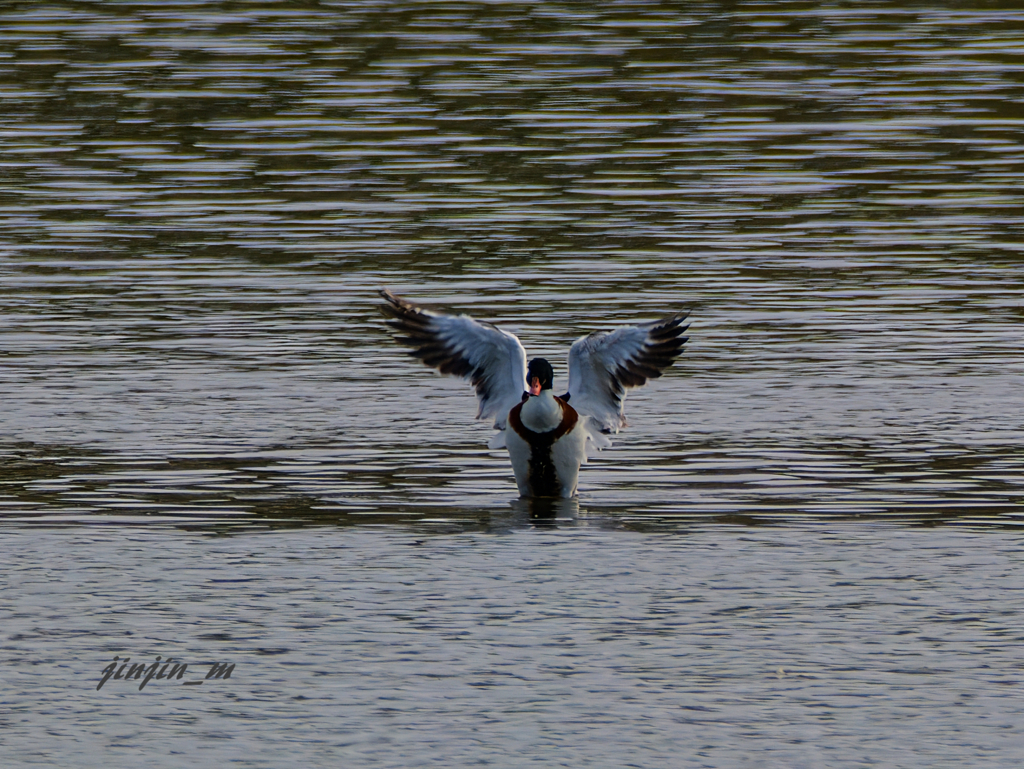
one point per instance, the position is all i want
(491, 359)
(605, 363)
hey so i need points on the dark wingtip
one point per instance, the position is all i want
(663, 348)
(673, 320)
(401, 309)
(391, 309)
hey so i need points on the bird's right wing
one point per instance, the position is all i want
(491, 359)
(605, 363)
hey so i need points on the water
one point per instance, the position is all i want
(803, 645)
(198, 204)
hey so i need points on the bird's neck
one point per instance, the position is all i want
(541, 413)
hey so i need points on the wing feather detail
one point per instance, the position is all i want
(603, 365)
(492, 360)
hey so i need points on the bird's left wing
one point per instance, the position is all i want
(493, 360)
(605, 363)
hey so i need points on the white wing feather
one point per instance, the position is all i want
(492, 359)
(604, 364)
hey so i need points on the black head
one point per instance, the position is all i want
(542, 370)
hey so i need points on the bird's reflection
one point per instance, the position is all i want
(545, 511)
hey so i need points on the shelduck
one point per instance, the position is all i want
(546, 437)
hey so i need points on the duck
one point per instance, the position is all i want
(548, 437)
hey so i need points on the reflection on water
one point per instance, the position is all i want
(545, 511)
(199, 205)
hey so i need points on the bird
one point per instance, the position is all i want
(548, 437)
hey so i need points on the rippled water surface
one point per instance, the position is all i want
(198, 203)
(857, 644)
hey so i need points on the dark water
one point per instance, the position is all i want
(198, 202)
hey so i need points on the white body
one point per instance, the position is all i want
(542, 413)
